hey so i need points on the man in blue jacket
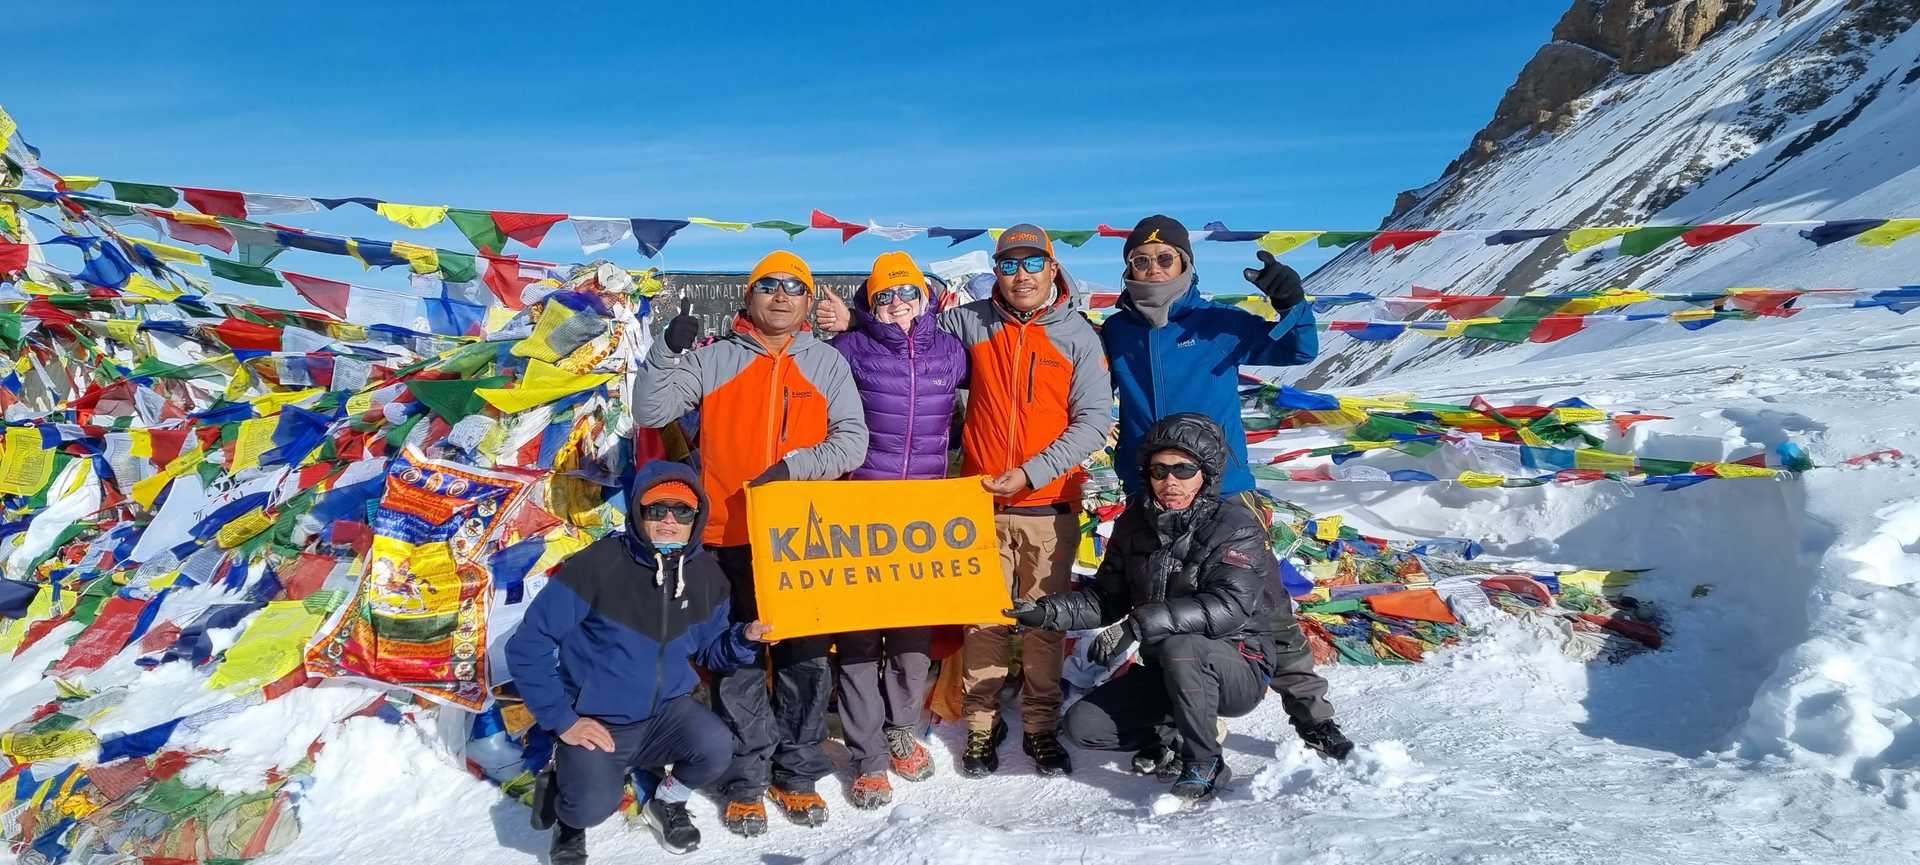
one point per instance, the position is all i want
(1172, 350)
(602, 662)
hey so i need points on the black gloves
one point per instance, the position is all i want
(1113, 643)
(776, 472)
(682, 331)
(1027, 613)
(1280, 283)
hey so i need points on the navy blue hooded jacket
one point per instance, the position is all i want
(611, 635)
(1193, 364)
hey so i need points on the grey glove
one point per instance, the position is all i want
(1027, 613)
(1113, 643)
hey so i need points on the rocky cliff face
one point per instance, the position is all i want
(1666, 111)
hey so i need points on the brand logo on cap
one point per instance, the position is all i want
(1152, 237)
(1022, 237)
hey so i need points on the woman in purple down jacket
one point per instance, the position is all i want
(907, 370)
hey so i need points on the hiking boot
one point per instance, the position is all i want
(983, 751)
(544, 800)
(1160, 761)
(909, 758)
(1200, 778)
(569, 846)
(1326, 738)
(804, 807)
(745, 817)
(671, 825)
(1049, 758)
(870, 791)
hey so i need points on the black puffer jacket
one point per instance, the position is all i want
(1203, 570)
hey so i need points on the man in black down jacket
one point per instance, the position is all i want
(1189, 575)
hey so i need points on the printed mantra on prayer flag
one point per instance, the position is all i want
(835, 556)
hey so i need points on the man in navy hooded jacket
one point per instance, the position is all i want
(1172, 350)
(602, 662)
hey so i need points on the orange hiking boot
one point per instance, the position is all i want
(909, 758)
(804, 807)
(748, 818)
(871, 791)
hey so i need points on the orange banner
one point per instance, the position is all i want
(837, 556)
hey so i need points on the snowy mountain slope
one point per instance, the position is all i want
(1806, 110)
(1776, 726)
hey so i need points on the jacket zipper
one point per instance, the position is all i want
(913, 400)
(660, 658)
(1013, 427)
(773, 390)
(786, 412)
(1033, 360)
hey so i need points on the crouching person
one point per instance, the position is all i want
(1185, 576)
(602, 662)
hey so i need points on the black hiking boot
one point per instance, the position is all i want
(1326, 738)
(1201, 778)
(672, 826)
(545, 797)
(569, 846)
(1160, 761)
(983, 751)
(1049, 758)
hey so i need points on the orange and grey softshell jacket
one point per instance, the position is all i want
(757, 407)
(1039, 395)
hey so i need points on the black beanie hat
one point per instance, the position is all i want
(1159, 228)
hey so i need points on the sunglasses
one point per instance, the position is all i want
(902, 293)
(1183, 471)
(682, 514)
(1031, 264)
(1141, 262)
(790, 286)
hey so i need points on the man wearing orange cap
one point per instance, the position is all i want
(776, 404)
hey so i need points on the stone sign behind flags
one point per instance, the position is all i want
(836, 556)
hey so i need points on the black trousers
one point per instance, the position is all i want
(682, 734)
(1186, 683)
(778, 735)
(1303, 692)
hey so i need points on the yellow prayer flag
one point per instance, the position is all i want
(255, 439)
(1574, 414)
(142, 447)
(1737, 470)
(145, 286)
(544, 384)
(6, 127)
(1599, 582)
(423, 259)
(10, 219)
(359, 404)
(1583, 238)
(34, 747)
(1258, 305)
(1327, 528)
(243, 528)
(1368, 403)
(79, 182)
(25, 466)
(125, 331)
(347, 332)
(1692, 314)
(714, 223)
(1530, 437)
(272, 646)
(1283, 242)
(269, 403)
(994, 233)
(413, 215)
(1895, 229)
(1480, 479)
(191, 218)
(1606, 461)
(166, 252)
(1608, 299)
(147, 491)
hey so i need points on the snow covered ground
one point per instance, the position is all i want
(1776, 726)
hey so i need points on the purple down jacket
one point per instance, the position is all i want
(907, 383)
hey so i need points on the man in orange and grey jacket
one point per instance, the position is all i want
(776, 404)
(1039, 403)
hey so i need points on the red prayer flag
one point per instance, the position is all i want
(324, 293)
(187, 232)
(528, 228)
(13, 256)
(1875, 456)
(1704, 234)
(1106, 230)
(247, 336)
(847, 229)
(216, 202)
(103, 639)
(1398, 240)
(1102, 300)
(503, 277)
(1622, 421)
(1557, 327)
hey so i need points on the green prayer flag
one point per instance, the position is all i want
(1519, 323)
(1344, 238)
(107, 208)
(453, 398)
(145, 193)
(480, 229)
(1071, 238)
(1641, 241)
(792, 229)
(243, 273)
(1663, 467)
(457, 266)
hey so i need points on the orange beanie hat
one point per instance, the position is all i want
(895, 268)
(669, 491)
(782, 261)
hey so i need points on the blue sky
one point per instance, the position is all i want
(1287, 115)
